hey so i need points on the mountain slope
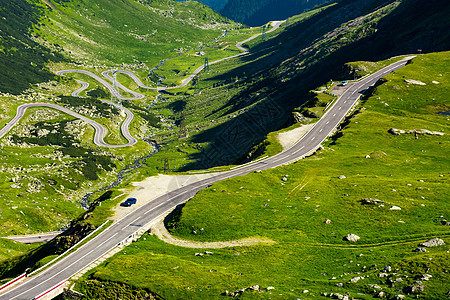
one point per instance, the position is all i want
(259, 12)
(308, 208)
(110, 32)
(22, 60)
(310, 52)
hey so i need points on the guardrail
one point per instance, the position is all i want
(49, 290)
(13, 281)
(68, 250)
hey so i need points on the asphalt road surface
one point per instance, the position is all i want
(132, 222)
(34, 238)
(107, 74)
(100, 131)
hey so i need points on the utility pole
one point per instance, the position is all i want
(166, 162)
(206, 66)
(264, 37)
(196, 84)
(183, 132)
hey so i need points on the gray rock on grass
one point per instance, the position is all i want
(434, 242)
(351, 237)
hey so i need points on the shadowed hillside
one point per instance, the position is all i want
(309, 54)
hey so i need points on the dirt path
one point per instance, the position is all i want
(161, 232)
(153, 187)
(288, 139)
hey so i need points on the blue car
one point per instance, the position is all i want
(128, 202)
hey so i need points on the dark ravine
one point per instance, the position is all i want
(84, 202)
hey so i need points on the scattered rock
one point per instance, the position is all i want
(208, 253)
(418, 249)
(351, 237)
(327, 221)
(400, 297)
(435, 82)
(356, 279)
(270, 288)
(254, 288)
(297, 117)
(394, 207)
(434, 242)
(371, 201)
(381, 294)
(426, 277)
(198, 254)
(342, 177)
(387, 269)
(339, 284)
(416, 82)
(367, 156)
(305, 291)
(416, 288)
(374, 286)
(381, 275)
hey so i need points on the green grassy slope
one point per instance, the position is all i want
(130, 33)
(281, 71)
(311, 254)
(22, 60)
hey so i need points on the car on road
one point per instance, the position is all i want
(343, 83)
(128, 202)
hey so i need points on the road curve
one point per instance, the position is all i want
(113, 91)
(131, 223)
(100, 131)
(184, 82)
(84, 86)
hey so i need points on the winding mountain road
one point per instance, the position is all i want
(131, 223)
(184, 82)
(100, 130)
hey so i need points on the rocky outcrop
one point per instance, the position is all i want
(434, 242)
(395, 131)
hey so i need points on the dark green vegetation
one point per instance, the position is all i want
(259, 12)
(105, 110)
(132, 34)
(89, 163)
(244, 99)
(310, 253)
(22, 60)
(231, 110)
(49, 165)
(84, 224)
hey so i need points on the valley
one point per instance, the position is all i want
(315, 188)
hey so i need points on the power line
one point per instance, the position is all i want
(114, 97)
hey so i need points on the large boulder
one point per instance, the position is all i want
(434, 242)
(351, 237)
